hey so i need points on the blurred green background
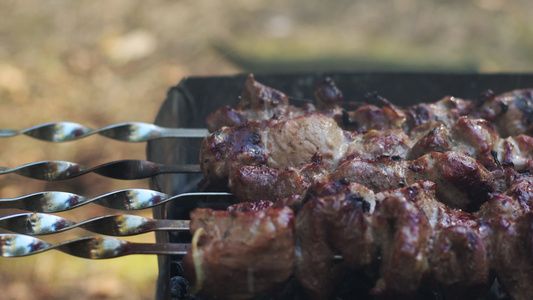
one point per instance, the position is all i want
(103, 62)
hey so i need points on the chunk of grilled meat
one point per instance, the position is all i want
(258, 103)
(290, 142)
(460, 262)
(513, 255)
(238, 253)
(249, 183)
(511, 112)
(475, 137)
(461, 181)
(447, 111)
(402, 233)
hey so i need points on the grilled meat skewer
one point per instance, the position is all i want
(317, 138)
(400, 238)
(510, 113)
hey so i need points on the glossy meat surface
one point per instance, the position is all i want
(237, 254)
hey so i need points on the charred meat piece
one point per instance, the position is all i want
(371, 117)
(513, 255)
(378, 143)
(230, 147)
(250, 183)
(460, 263)
(517, 152)
(521, 191)
(316, 235)
(258, 103)
(328, 96)
(461, 181)
(422, 194)
(446, 110)
(475, 137)
(511, 112)
(430, 137)
(377, 174)
(238, 253)
(287, 143)
(402, 234)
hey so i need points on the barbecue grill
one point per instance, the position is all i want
(188, 104)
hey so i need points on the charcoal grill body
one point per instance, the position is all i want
(189, 103)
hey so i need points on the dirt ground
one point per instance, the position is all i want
(99, 63)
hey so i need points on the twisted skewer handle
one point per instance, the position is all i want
(17, 245)
(129, 199)
(115, 225)
(121, 169)
(133, 132)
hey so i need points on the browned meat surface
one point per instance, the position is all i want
(316, 270)
(305, 139)
(371, 117)
(328, 96)
(460, 262)
(250, 206)
(461, 181)
(377, 143)
(521, 190)
(517, 152)
(250, 183)
(235, 255)
(430, 137)
(446, 110)
(317, 139)
(513, 257)
(378, 175)
(402, 233)
(511, 112)
(230, 147)
(475, 137)
(287, 143)
(423, 195)
(258, 103)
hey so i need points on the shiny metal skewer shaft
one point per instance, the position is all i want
(122, 169)
(115, 225)
(18, 245)
(133, 132)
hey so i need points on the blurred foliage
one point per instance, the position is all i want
(104, 62)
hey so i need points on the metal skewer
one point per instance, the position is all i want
(115, 225)
(121, 169)
(17, 245)
(133, 132)
(129, 199)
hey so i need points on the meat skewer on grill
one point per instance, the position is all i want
(280, 163)
(399, 238)
(317, 138)
(510, 113)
